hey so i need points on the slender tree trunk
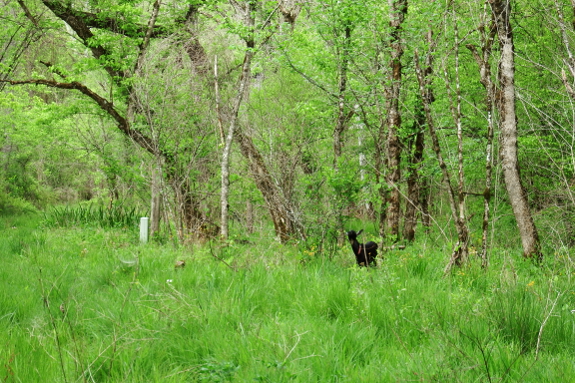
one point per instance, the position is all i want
(343, 115)
(416, 147)
(285, 220)
(488, 170)
(484, 63)
(460, 252)
(508, 125)
(218, 102)
(391, 197)
(155, 200)
(424, 201)
(416, 187)
(570, 62)
(249, 216)
(456, 114)
(244, 82)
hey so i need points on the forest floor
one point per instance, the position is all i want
(86, 304)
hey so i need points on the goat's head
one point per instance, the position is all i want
(352, 235)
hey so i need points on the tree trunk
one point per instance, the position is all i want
(342, 114)
(415, 144)
(242, 88)
(417, 190)
(505, 104)
(460, 252)
(191, 222)
(567, 44)
(456, 114)
(424, 201)
(155, 200)
(283, 215)
(483, 61)
(249, 216)
(391, 197)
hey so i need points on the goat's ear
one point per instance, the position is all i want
(359, 232)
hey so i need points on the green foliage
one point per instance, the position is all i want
(57, 146)
(92, 302)
(116, 215)
(14, 205)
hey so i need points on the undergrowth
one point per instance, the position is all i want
(116, 215)
(90, 304)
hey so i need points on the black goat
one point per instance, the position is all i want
(364, 254)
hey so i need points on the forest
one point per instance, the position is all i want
(258, 136)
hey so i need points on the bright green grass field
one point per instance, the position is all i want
(92, 305)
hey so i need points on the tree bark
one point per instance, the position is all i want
(155, 200)
(343, 115)
(505, 104)
(193, 47)
(416, 187)
(242, 87)
(460, 252)
(483, 61)
(415, 144)
(570, 62)
(391, 197)
(283, 215)
(456, 114)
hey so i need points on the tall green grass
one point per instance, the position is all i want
(90, 304)
(90, 215)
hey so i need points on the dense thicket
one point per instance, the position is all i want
(307, 115)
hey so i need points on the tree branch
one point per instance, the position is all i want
(50, 66)
(142, 140)
(27, 13)
(77, 23)
(92, 20)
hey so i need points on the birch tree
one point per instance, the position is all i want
(505, 104)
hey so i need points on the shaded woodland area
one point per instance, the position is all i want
(298, 119)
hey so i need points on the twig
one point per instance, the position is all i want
(219, 259)
(294, 346)
(543, 325)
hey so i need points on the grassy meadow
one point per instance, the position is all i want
(90, 304)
